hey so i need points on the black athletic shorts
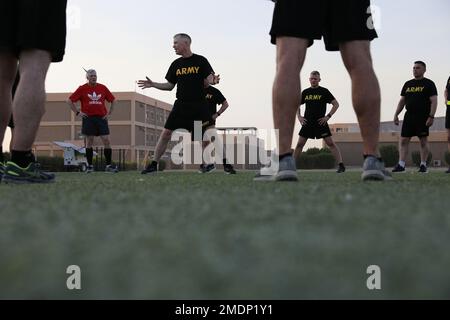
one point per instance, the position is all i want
(447, 118)
(95, 126)
(415, 126)
(33, 24)
(336, 21)
(11, 122)
(184, 114)
(315, 131)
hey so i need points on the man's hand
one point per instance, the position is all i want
(302, 120)
(429, 122)
(323, 121)
(83, 115)
(216, 79)
(144, 84)
(396, 120)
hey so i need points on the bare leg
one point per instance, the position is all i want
(161, 146)
(89, 141)
(448, 139)
(334, 149)
(365, 91)
(106, 142)
(404, 148)
(424, 149)
(299, 148)
(291, 54)
(8, 69)
(29, 102)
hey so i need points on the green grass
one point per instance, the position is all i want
(190, 236)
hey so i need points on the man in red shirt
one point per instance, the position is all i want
(94, 114)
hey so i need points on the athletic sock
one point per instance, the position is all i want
(341, 164)
(2, 158)
(402, 163)
(423, 163)
(22, 158)
(89, 155)
(108, 154)
(224, 161)
(154, 163)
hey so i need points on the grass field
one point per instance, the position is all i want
(190, 236)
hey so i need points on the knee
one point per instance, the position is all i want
(166, 134)
(89, 142)
(107, 143)
(404, 142)
(424, 143)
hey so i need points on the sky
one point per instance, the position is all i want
(126, 41)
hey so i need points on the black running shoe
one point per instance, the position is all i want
(31, 174)
(152, 168)
(398, 168)
(423, 169)
(90, 169)
(111, 168)
(201, 169)
(448, 171)
(341, 168)
(209, 168)
(228, 168)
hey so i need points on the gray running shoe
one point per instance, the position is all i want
(374, 170)
(287, 171)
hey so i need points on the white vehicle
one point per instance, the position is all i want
(74, 156)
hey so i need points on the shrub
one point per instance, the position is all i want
(415, 155)
(316, 159)
(447, 157)
(312, 151)
(52, 164)
(390, 155)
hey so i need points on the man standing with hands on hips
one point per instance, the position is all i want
(94, 114)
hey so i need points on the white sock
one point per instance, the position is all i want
(402, 163)
(423, 163)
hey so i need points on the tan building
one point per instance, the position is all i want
(348, 137)
(135, 126)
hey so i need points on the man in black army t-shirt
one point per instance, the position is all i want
(447, 115)
(314, 123)
(189, 73)
(419, 95)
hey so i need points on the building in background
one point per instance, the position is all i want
(135, 126)
(348, 137)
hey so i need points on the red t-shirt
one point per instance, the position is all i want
(92, 99)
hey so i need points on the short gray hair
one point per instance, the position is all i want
(184, 36)
(90, 72)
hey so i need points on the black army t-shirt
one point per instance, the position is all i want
(417, 95)
(316, 100)
(189, 75)
(214, 97)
